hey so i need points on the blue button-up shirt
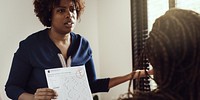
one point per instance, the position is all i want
(37, 53)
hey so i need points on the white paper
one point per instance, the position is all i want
(70, 83)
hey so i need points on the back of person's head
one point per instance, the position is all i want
(173, 49)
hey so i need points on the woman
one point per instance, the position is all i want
(173, 49)
(40, 51)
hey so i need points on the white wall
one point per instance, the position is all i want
(17, 20)
(114, 42)
(105, 23)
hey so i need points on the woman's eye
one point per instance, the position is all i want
(72, 9)
(61, 10)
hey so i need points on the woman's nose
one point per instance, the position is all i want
(68, 14)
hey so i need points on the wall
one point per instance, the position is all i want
(17, 20)
(114, 25)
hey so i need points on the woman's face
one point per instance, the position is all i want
(64, 17)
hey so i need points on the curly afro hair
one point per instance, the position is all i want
(43, 9)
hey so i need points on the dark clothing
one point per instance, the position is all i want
(37, 53)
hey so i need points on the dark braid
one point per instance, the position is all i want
(173, 49)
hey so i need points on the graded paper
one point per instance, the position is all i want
(70, 83)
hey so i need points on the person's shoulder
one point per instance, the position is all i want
(81, 48)
(81, 42)
(79, 37)
(34, 38)
(37, 35)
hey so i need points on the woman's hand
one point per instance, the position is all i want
(141, 73)
(45, 94)
(132, 75)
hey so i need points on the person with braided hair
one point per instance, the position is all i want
(173, 49)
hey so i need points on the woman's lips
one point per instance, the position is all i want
(68, 24)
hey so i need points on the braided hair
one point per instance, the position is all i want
(173, 49)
